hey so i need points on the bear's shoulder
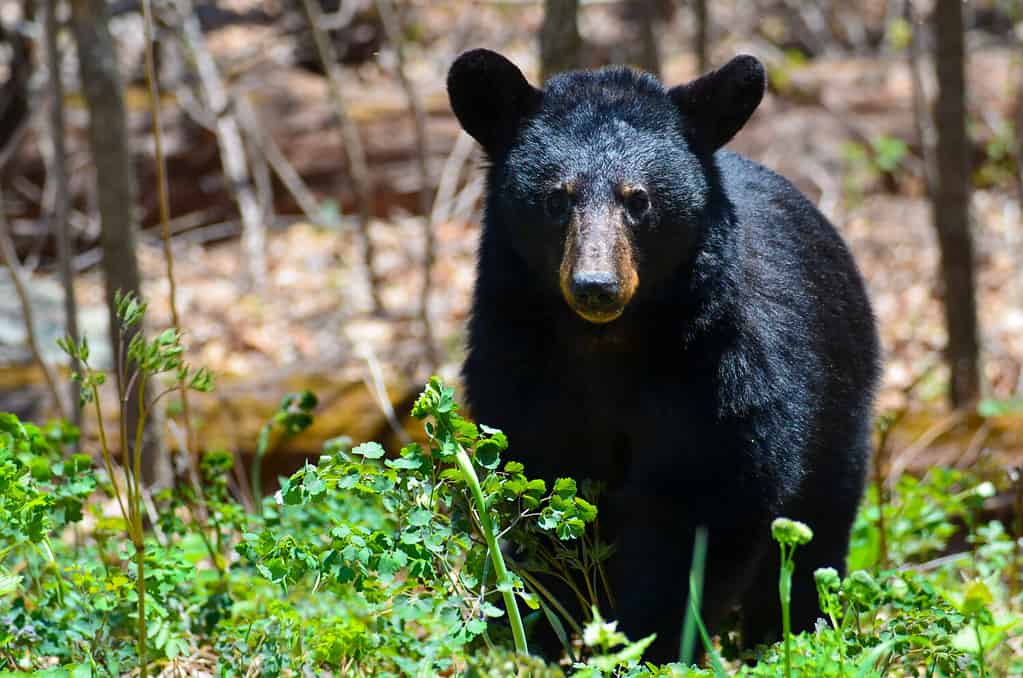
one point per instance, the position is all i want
(774, 216)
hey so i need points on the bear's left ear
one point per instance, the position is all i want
(490, 97)
(717, 105)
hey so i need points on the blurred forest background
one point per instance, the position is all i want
(322, 206)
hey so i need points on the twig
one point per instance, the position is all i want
(1016, 476)
(161, 175)
(936, 563)
(263, 181)
(354, 151)
(164, 201)
(443, 203)
(465, 203)
(375, 384)
(10, 259)
(392, 28)
(926, 439)
(923, 123)
(154, 519)
(274, 157)
(232, 153)
(61, 205)
(976, 445)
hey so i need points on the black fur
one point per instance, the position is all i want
(736, 387)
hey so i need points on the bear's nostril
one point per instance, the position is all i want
(595, 289)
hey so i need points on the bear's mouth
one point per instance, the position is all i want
(597, 316)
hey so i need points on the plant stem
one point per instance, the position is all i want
(140, 591)
(687, 642)
(785, 595)
(980, 649)
(503, 580)
(554, 602)
(164, 202)
(48, 553)
(138, 536)
(105, 450)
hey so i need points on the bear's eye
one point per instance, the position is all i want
(638, 204)
(558, 203)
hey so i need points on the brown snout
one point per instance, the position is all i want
(598, 272)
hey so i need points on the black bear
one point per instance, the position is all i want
(673, 320)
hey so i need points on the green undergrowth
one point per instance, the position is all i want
(369, 563)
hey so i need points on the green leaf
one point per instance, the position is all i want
(976, 597)
(565, 488)
(9, 583)
(312, 483)
(536, 487)
(369, 450)
(586, 511)
(488, 453)
(514, 467)
(420, 517)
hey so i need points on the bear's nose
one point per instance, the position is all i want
(596, 290)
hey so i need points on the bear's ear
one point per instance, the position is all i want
(490, 97)
(717, 105)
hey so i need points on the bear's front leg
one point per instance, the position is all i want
(650, 570)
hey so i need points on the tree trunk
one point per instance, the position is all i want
(58, 176)
(702, 20)
(560, 41)
(14, 90)
(649, 52)
(951, 203)
(115, 189)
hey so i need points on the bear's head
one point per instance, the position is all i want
(600, 181)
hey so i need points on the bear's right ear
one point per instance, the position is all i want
(490, 97)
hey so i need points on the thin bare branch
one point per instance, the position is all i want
(278, 162)
(163, 192)
(229, 140)
(392, 28)
(451, 172)
(923, 123)
(375, 383)
(10, 259)
(354, 151)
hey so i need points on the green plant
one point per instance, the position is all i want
(789, 534)
(140, 361)
(443, 507)
(882, 158)
(375, 565)
(293, 415)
